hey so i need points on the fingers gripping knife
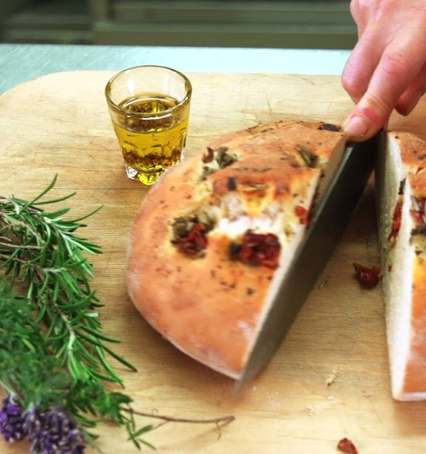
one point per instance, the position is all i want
(345, 179)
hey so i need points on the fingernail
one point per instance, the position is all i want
(412, 104)
(356, 126)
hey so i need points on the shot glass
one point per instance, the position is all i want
(149, 108)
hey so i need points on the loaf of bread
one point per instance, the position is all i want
(401, 195)
(215, 235)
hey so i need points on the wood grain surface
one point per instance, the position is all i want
(330, 377)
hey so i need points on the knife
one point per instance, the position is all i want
(345, 179)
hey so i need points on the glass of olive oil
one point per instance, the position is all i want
(149, 109)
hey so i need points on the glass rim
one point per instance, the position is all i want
(148, 114)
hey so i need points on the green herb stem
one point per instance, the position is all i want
(53, 351)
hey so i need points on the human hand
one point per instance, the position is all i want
(387, 68)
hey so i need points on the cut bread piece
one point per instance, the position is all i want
(216, 234)
(401, 184)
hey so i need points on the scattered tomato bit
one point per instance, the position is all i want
(368, 277)
(303, 214)
(347, 446)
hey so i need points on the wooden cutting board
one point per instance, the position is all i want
(330, 377)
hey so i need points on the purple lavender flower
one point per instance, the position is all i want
(53, 432)
(12, 420)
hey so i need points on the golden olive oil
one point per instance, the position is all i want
(151, 130)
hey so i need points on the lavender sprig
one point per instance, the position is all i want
(12, 421)
(50, 432)
(53, 432)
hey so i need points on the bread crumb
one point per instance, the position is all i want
(331, 378)
(323, 283)
(309, 410)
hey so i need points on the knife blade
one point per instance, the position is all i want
(345, 179)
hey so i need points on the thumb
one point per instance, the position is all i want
(365, 120)
(373, 110)
(394, 73)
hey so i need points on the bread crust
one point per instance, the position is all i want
(210, 307)
(406, 312)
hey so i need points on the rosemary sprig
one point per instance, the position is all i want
(54, 357)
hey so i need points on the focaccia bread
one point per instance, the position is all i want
(216, 234)
(401, 187)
